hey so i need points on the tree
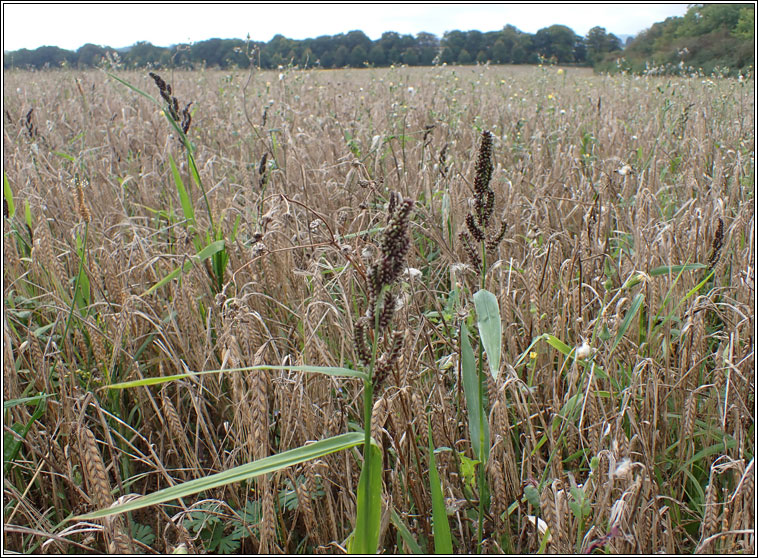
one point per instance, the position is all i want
(358, 57)
(429, 47)
(340, 57)
(500, 54)
(464, 57)
(89, 55)
(376, 56)
(556, 42)
(745, 27)
(453, 41)
(410, 57)
(598, 43)
(143, 54)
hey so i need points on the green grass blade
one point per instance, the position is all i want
(443, 543)
(636, 303)
(237, 474)
(135, 89)
(471, 378)
(369, 506)
(556, 343)
(202, 255)
(328, 370)
(184, 198)
(23, 400)
(490, 327)
(405, 533)
(675, 269)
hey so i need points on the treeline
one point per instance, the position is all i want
(557, 44)
(708, 38)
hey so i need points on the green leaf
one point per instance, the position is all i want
(477, 425)
(8, 196)
(28, 214)
(636, 303)
(237, 474)
(11, 444)
(13, 402)
(202, 255)
(184, 198)
(405, 533)
(556, 343)
(443, 543)
(490, 327)
(532, 495)
(369, 505)
(468, 470)
(675, 269)
(328, 370)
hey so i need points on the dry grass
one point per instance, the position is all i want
(601, 180)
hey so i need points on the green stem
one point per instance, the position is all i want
(76, 285)
(368, 409)
(483, 453)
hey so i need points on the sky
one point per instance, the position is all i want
(69, 26)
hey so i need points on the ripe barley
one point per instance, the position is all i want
(267, 528)
(94, 469)
(710, 516)
(687, 426)
(175, 425)
(499, 492)
(78, 185)
(548, 512)
(44, 257)
(257, 381)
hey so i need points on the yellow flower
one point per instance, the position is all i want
(560, 71)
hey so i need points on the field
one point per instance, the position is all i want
(582, 379)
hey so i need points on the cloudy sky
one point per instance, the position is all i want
(69, 26)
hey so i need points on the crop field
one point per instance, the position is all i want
(476, 309)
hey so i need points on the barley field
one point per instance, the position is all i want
(481, 309)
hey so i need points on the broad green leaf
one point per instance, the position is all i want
(369, 504)
(468, 470)
(237, 474)
(443, 543)
(477, 423)
(490, 327)
(328, 370)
